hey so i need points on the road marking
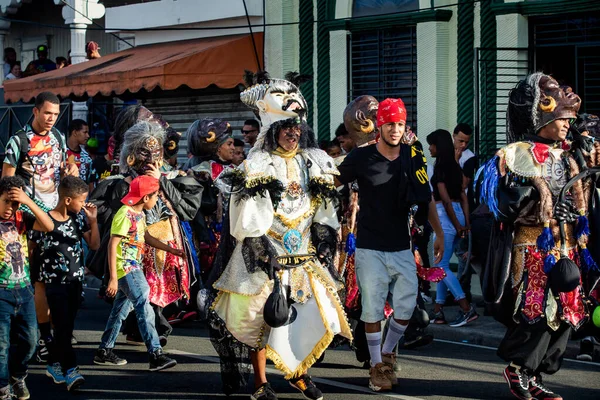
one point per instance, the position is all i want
(324, 381)
(477, 346)
(590, 363)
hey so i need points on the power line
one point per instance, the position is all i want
(252, 37)
(95, 23)
(223, 27)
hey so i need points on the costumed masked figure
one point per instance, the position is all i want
(530, 281)
(276, 295)
(168, 276)
(170, 151)
(210, 143)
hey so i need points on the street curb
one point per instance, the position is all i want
(484, 331)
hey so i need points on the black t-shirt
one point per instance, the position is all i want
(382, 217)
(452, 177)
(61, 251)
(100, 169)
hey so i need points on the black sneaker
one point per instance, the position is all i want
(518, 382)
(107, 356)
(586, 350)
(464, 318)
(306, 386)
(159, 361)
(264, 392)
(540, 392)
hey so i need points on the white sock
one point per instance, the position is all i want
(374, 343)
(394, 334)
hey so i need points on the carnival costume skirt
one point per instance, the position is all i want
(316, 316)
(534, 299)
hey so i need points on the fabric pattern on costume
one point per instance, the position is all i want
(547, 168)
(286, 222)
(165, 272)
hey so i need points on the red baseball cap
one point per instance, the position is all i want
(141, 186)
(391, 110)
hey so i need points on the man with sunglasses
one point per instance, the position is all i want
(250, 131)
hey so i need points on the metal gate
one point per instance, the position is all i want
(497, 71)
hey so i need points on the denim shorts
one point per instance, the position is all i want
(386, 275)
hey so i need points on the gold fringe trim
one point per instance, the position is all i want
(316, 352)
(333, 291)
(214, 303)
(242, 294)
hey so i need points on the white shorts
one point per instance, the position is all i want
(386, 275)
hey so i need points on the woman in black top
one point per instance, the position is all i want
(448, 184)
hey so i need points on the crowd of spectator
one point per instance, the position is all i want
(13, 68)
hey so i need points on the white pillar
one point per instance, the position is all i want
(433, 89)
(78, 54)
(78, 14)
(2, 34)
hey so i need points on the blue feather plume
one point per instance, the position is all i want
(549, 263)
(545, 242)
(587, 262)
(489, 185)
(350, 244)
(187, 230)
(583, 227)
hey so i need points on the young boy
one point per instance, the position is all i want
(127, 281)
(61, 256)
(332, 148)
(18, 324)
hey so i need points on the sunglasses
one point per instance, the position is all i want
(248, 132)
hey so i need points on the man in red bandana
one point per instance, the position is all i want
(391, 177)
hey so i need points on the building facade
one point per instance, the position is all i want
(450, 60)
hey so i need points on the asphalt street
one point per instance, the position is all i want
(443, 370)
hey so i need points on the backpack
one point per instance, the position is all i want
(24, 144)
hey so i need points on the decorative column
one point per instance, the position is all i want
(78, 14)
(4, 25)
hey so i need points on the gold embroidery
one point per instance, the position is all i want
(293, 223)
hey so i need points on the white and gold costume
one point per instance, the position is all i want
(278, 197)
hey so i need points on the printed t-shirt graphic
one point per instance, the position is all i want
(83, 161)
(130, 226)
(45, 156)
(62, 251)
(14, 261)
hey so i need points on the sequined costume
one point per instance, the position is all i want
(524, 287)
(205, 136)
(284, 220)
(282, 207)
